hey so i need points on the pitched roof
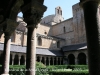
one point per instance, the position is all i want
(75, 47)
(41, 51)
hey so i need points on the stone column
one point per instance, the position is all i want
(25, 60)
(31, 51)
(19, 57)
(40, 58)
(45, 60)
(9, 27)
(86, 61)
(49, 60)
(76, 61)
(53, 60)
(32, 12)
(13, 56)
(6, 55)
(90, 8)
(60, 60)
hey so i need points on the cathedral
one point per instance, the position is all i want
(58, 41)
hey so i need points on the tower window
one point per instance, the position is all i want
(58, 11)
(61, 12)
(64, 29)
(39, 41)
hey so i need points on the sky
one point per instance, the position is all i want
(66, 6)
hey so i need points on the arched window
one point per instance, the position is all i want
(64, 29)
(58, 44)
(39, 41)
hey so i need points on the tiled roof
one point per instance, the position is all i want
(75, 47)
(49, 52)
(41, 51)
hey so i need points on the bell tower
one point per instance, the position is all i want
(58, 11)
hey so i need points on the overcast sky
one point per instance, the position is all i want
(66, 6)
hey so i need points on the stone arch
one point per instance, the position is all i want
(71, 59)
(22, 60)
(10, 59)
(81, 59)
(16, 60)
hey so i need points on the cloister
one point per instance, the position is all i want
(32, 12)
(72, 58)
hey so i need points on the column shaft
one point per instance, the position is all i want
(6, 55)
(31, 51)
(13, 56)
(60, 61)
(49, 60)
(45, 60)
(93, 35)
(12, 61)
(19, 60)
(76, 61)
(53, 60)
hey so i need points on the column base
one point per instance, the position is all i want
(4, 74)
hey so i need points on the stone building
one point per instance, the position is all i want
(59, 41)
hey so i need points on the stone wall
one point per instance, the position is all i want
(67, 34)
(78, 25)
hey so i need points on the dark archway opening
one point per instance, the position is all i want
(71, 59)
(10, 59)
(59, 61)
(22, 60)
(16, 60)
(82, 59)
(51, 61)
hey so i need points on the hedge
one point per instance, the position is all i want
(41, 69)
(73, 67)
(68, 73)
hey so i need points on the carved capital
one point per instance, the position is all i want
(10, 26)
(82, 2)
(32, 13)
